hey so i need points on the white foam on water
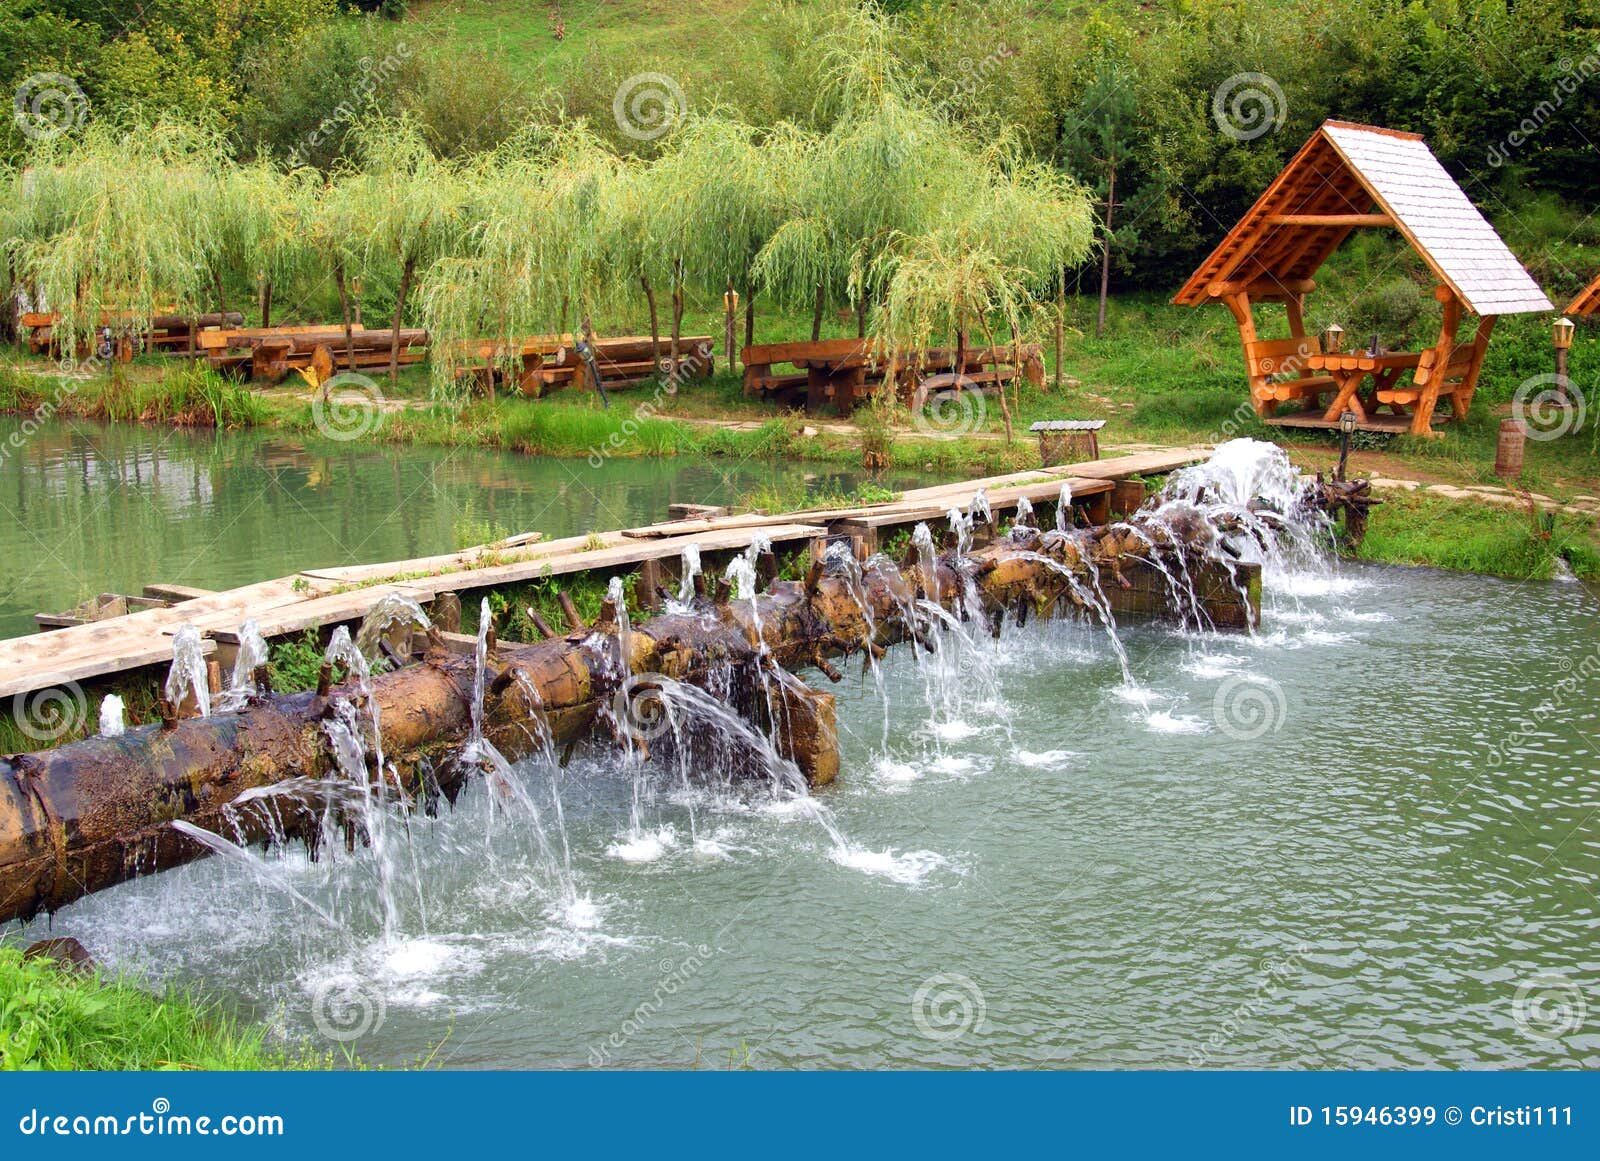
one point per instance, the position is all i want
(1138, 695)
(710, 848)
(896, 773)
(1371, 618)
(909, 869)
(417, 998)
(1299, 617)
(950, 764)
(957, 731)
(1212, 666)
(1044, 759)
(580, 914)
(1167, 722)
(1310, 584)
(417, 957)
(644, 847)
(1323, 637)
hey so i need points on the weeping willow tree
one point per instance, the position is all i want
(121, 223)
(888, 166)
(987, 263)
(545, 208)
(403, 209)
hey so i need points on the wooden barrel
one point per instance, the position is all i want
(1508, 452)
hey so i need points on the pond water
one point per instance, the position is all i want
(87, 508)
(1365, 837)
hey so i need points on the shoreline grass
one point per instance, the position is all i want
(58, 1018)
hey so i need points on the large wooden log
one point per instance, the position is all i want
(94, 813)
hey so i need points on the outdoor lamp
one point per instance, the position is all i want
(1347, 424)
(1332, 336)
(1561, 332)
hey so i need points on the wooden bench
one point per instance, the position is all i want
(537, 363)
(1278, 372)
(270, 353)
(171, 334)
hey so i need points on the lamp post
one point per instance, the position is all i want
(1332, 336)
(1561, 332)
(1347, 424)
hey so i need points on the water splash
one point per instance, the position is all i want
(391, 611)
(1064, 507)
(188, 673)
(111, 723)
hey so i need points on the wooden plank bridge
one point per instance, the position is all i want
(323, 597)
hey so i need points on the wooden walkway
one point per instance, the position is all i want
(321, 597)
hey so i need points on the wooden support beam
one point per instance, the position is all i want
(1324, 221)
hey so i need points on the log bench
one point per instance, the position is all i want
(538, 363)
(268, 354)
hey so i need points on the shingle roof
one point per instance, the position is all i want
(1588, 300)
(1358, 169)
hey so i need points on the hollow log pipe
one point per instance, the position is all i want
(93, 813)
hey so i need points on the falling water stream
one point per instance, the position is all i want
(1261, 862)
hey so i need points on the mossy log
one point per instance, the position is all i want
(94, 813)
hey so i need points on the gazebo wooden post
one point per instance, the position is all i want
(1469, 384)
(1238, 304)
(1431, 372)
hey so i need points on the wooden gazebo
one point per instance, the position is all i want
(1587, 302)
(1351, 177)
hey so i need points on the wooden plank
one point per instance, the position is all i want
(1323, 220)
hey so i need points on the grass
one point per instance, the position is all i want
(57, 1018)
(1472, 537)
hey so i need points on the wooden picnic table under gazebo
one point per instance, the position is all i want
(1350, 177)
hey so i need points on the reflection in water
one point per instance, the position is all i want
(88, 508)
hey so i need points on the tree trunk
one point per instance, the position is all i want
(90, 814)
(861, 317)
(1105, 251)
(266, 302)
(677, 314)
(655, 323)
(406, 271)
(816, 313)
(750, 319)
(729, 310)
(216, 283)
(1005, 409)
(344, 310)
(1061, 320)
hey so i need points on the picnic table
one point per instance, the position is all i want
(1349, 371)
(843, 371)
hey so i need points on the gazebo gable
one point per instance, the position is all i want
(1349, 176)
(1587, 302)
